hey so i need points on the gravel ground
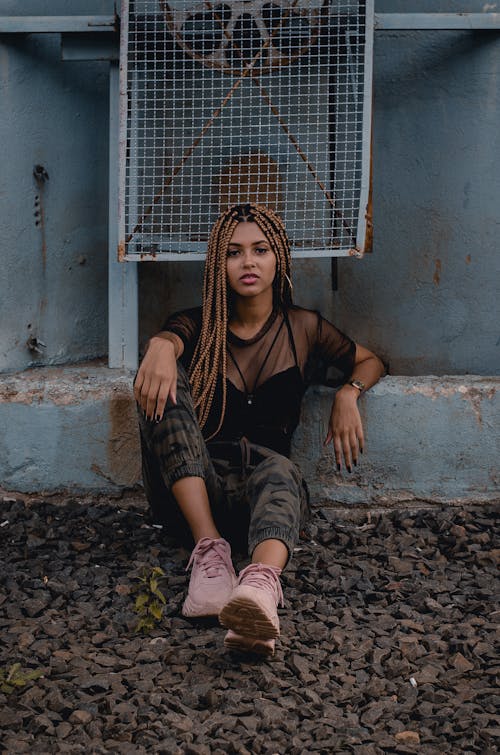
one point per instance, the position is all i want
(388, 639)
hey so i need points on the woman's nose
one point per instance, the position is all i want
(248, 260)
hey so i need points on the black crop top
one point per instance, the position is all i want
(268, 374)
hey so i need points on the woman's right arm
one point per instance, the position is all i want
(156, 380)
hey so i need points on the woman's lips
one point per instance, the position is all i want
(249, 278)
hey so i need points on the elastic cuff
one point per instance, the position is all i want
(186, 469)
(287, 536)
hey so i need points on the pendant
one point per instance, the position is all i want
(249, 399)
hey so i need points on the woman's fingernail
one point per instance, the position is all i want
(338, 467)
(355, 463)
(349, 469)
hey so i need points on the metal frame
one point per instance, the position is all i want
(122, 278)
(383, 21)
(142, 239)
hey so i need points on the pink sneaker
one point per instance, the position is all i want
(234, 641)
(212, 580)
(252, 607)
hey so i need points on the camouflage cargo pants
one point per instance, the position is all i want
(255, 494)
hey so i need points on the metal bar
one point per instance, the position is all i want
(367, 129)
(123, 307)
(200, 256)
(56, 24)
(435, 21)
(383, 21)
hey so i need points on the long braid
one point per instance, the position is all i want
(210, 356)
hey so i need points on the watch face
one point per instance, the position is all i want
(358, 384)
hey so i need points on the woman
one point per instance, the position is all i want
(220, 391)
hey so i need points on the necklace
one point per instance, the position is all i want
(249, 395)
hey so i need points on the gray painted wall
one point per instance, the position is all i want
(426, 298)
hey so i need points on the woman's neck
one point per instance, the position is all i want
(250, 315)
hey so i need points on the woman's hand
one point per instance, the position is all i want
(156, 380)
(345, 427)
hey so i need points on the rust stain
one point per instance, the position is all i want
(257, 175)
(369, 207)
(468, 259)
(41, 177)
(121, 251)
(437, 273)
(123, 452)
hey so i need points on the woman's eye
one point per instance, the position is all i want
(261, 250)
(232, 252)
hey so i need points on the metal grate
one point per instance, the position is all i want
(225, 102)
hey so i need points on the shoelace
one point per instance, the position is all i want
(212, 557)
(264, 577)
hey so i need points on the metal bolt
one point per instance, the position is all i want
(34, 344)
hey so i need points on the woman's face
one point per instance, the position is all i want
(251, 264)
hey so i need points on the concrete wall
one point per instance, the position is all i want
(426, 299)
(54, 232)
(423, 300)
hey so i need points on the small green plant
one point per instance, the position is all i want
(13, 678)
(150, 601)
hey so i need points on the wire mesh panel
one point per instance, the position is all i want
(258, 100)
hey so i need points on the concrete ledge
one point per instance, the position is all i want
(432, 438)
(68, 428)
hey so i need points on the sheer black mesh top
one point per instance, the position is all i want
(268, 374)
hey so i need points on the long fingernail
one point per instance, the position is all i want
(355, 462)
(338, 467)
(349, 470)
(361, 450)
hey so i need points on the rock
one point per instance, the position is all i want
(81, 717)
(408, 737)
(461, 663)
(63, 730)
(355, 631)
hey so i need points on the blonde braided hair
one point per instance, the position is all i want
(210, 355)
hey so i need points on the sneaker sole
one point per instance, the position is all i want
(247, 618)
(263, 648)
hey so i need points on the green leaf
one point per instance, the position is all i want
(156, 610)
(13, 671)
(146, 624)
(141, 601)
(158, 572)
(159, 595)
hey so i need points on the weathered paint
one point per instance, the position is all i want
(57, 127)
(426, 438)
(68, 428)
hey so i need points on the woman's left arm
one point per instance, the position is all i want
(345, 427)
